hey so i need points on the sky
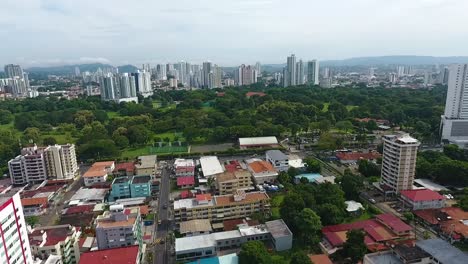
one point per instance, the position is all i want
(226, 32)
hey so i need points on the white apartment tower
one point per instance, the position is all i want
(455, 118)
(61, 161)
(299, 73)
(15, 247)
(313, 72)
(28, 167)
(399, 162)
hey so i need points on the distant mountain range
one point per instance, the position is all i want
(359, 61)
(70, 69)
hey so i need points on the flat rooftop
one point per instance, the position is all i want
(119, 180)
(253, 141)
(84, 194)
(138, 179)
(197, 225)
(276, 155)
(278, 228)
(148, 161)
(443, 251)
(210, 166)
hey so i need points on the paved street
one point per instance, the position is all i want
(162, 251)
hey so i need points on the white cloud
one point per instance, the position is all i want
(227, 31)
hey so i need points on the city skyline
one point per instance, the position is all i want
(228, 33)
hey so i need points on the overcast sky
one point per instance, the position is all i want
(227, 32)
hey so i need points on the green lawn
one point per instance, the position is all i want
(276, 201)
(351, 107)
(168, 149)
(325, 107)
(7, 126)
(170, 135)
(61, 138)
(156, 104)
(364, 216)
(111, 114)
(132, 153)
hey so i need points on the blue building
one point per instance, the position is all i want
(130, 187)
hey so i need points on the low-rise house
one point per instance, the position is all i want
(278, 159)
(320, 259)
(262, 171)
(354, 208)
(258, 142)
(87, 196)
(382, 231)
(353, 157)
(61, 240)
(124, 255)
(124, 169)
(185, 182)
(98, 172)
(146, 165)
(196, 247)
(230, 182)
(184, 167)
(450, 222)
(222, 207)
(119, 227)
(195, 227)
(422, 199)
(34, 206)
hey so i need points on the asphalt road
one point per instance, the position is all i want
(162, 251)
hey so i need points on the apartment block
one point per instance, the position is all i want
(278, 159)
(119, 227)
(61, 161)
(222, 207)
(14, 246)
(229, 182)
(399, 162)
(29, 167)
(61, 240)
(184, 167)
(130, 187)
(36, 164)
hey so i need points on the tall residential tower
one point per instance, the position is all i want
(399, 162)
(455, 118)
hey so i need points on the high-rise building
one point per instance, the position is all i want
(455, 118)
(107, 84)
(206, 71)
(77, 71)
(299, 73)
(12, 70)
(246, 75)
(161, 72)
(29, 167)
(289, 72)
(15, 247)
(445, 75)
(313, 72)
(61, 161)
(400, 71)
(258, 68)
(399, 162)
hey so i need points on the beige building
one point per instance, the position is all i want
(146, 165)
(222, 207)
(230, 182)
(399, 162)
(61, 161)
(61, 240)
(98, 172)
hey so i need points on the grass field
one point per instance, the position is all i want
(111, 114)
(276, 201)
(168, 149)
(326, 105)
(132, 153)
(170, 135)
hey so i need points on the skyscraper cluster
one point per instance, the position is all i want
(118, 87)
(246, 74)
(294, 72)
(17, 82)
(455, 118)
(211, 76)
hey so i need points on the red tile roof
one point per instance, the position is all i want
(232, 166)
(144, 209)
(422, 195)
(54, 235)
(320, 259)
(187, 180)
(357, 155)
(203, 197)
(79, 209)
(186, 194)
(250, 94)
(127, 166)
(394, 223)
(262, 166)
(123, 255)
(449, 219)
(42, 201)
